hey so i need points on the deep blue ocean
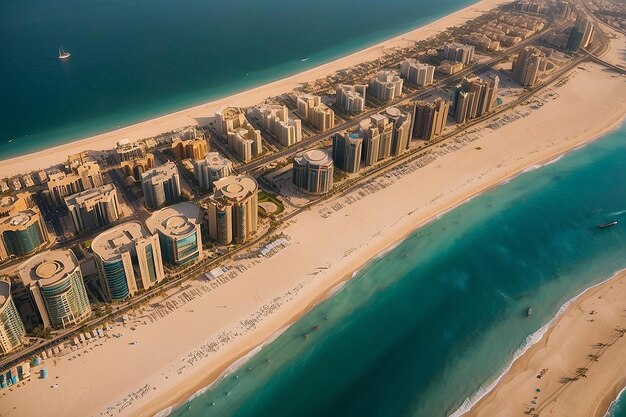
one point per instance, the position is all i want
(437, 319)
(134, 60)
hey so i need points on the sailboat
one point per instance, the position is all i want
(63, 54)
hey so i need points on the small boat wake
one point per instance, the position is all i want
(305, 59)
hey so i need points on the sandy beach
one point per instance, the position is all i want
(180, 351)
(588, 337)
(199, 114)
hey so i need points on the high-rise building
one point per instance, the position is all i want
(475, 97)
(22, 233)
(161, 185)
(459, 53)
(313, 171)
(233, 209)
(401, 129)
(317, 114)
(417, 73)
(178, 228)
(528, 65)
(56, 287)
(210, 169)
(128, 259)
(566, 10)
(93, 208)
(79, 176)
(581, 34)
(275, 118)
(387, 85)
(12, 331)
(194, 148)
(242, 137)
(351, 98)
(347, 148)
(377, 133)
(430, 118)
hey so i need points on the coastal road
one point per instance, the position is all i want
(251, 166)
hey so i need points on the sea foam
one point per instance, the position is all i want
(530, 340)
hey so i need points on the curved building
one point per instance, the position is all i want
(12, 331)
(178, 228)
(313, 171)
(233, 209)
(22, 233)
(57, 288)
(128, 258)
(160, 185)
(210, 169)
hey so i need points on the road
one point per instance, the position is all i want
(251, 166)
(198, 268)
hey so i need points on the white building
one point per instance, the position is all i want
(387, 85)
(276, 120)
(210, 169)
(417, 73)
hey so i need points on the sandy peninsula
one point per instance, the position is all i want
(191, 116)
(180, 351)
(577, 369)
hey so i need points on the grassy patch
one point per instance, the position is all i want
(266, 197)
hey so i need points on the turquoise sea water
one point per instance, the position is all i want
(133, 60)
(618, 408)
(438, 318)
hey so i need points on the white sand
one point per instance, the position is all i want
(187, 117)
(589, 320)
(344, 239)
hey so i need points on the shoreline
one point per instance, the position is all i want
(189, 116)
(521, 364)
(215, 377)
(615, 401)
(484, 160)
(544, 331)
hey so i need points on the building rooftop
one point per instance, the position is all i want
(230, 112)
(176, 220)
(111, 244)
(18, 220)
(7, 201)
(393, 112)
(161, 173)
(314, 157)
(48, 267)
(235, 188)
(92, 195)
(216, 161)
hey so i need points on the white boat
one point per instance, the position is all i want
(63, 54)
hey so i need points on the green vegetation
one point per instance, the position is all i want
(270, 198)
(338, 175)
